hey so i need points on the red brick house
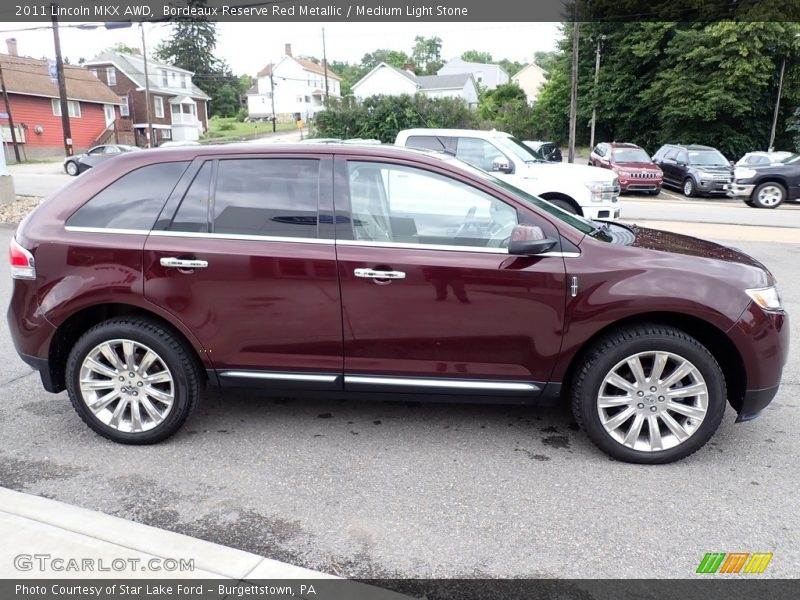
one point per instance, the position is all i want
(36, 110)
(178, 108)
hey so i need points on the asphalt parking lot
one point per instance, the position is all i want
(414, 490)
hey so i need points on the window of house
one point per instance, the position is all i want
(394, 203)
(267, 197)
(124, 109)
(94, 72)
(158, 102)
(73, 108)
(164, 77)
(132, 201)
(299, 98)
(111, 76)
(183, 81)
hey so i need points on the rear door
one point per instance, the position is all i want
(244, 257)
(432, 301)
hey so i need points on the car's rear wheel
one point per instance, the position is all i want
(71, 168)
(655, 192)
(649, 394)
(132, 380)
(689, 189)
(769, 195)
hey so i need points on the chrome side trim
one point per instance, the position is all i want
(236, 236)
(280, 376)
(462, 384)
(448, 248)
(107, 230)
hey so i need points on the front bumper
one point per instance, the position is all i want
(713, 187)
(640, 185)
(740, 190)
(605, 211)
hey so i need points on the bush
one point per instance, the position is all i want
(241, 115)
(224, 125)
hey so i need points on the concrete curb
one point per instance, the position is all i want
(32, 525)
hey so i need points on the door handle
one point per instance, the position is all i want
(183, 263)
(372, 274)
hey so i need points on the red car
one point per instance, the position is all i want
(633, 166)
(381, 272)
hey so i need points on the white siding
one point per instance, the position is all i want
(383, 81)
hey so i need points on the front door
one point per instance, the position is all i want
(242, 259)
(431, 299)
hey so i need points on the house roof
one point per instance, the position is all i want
(132, 65)
(472, 66)
(31, 77)
(425, 82)
(532, 66)
(308, 65)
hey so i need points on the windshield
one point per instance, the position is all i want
(629, 155)
(791, 158)
(519, 150)
(583, 225)
(708, 158)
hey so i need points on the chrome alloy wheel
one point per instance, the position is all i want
(652, 401)
(770, 195)
(126, 385)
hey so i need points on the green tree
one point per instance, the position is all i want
(512, 67)
(492, 101)
(122, 48)
(226, 101)
(396, 58)
(427, 55)
(477, 56)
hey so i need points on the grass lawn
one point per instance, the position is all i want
(225, 129)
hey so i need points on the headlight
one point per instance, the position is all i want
(740, 173)
(603, 191)
(767, 298)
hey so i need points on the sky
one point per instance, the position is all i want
(247, 47)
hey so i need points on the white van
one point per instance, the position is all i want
(588, 191)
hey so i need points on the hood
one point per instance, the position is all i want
(567, 170)
(637, 166)
(712, 168)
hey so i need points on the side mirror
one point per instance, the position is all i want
(502, 165)
(529, 240)
(680, 163)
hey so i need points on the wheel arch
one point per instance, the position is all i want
(81, 321)
(714, 339)
(564, 197)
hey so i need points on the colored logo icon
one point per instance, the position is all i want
(734, 562)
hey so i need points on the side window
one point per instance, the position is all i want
(393, 203)
(133, 201)
(479, 153)
(671, 154)
(267, 196)
(111, 150)
(682, 157)
(431, 142)
(96, 151)
(192, 213)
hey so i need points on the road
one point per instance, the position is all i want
(410, 490)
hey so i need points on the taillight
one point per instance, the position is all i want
(20, 261)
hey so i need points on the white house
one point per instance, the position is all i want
(531, 79)
(390, 81)
(487, 75)
(298, 86)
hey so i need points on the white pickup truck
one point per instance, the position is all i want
(588, 191)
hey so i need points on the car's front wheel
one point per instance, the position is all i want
(689, 189)
(132, 380)
(769, 195)
(649, 394)
(72, 168)
(564, 205)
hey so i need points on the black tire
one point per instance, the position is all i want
(689, 188)
(608, 353)
(564, 205)
(72, 168)
(181, 364)
(769, 194)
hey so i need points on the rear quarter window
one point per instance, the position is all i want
(133, 201)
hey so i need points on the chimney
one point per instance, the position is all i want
(287, 49)
(409, 67)
(12, 46)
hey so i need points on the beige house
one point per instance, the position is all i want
(531, 79)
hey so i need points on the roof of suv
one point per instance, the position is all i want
(694, 147)
(478, 133)
(623, 145)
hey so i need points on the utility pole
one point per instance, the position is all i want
(62, 85)
(325, 63)
(573, 96)
(596, 77)
(10, 117)
(272, 94)
(777, 107)
(149, 134)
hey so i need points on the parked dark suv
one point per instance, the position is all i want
(381, 272)
(696, 170)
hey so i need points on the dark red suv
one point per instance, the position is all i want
(633, 166)
(386, 273)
